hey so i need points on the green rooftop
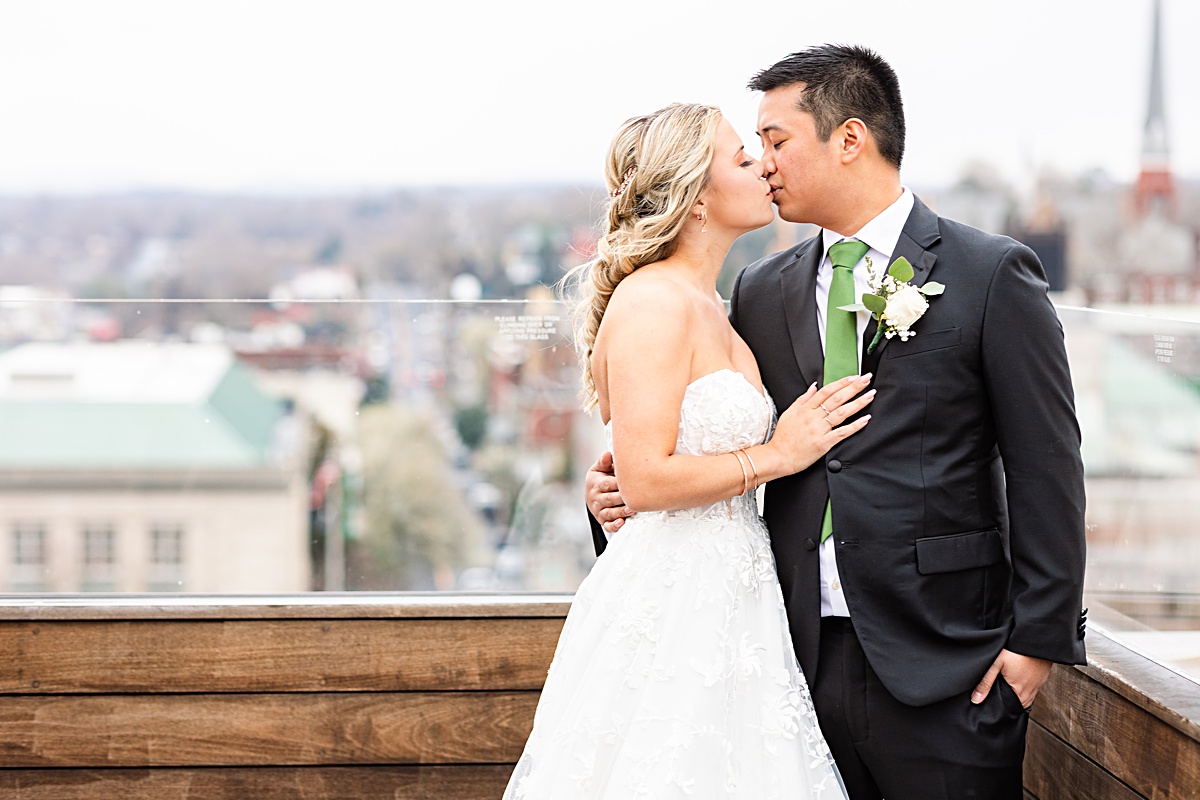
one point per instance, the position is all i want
(175, 407)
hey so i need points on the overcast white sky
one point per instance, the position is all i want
(308, 95)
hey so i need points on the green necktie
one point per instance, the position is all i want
(841, 329)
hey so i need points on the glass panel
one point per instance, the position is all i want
(1137, 385)
(259, 447)
(419, 444)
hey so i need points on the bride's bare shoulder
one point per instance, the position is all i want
(650, 290)
(647, 306)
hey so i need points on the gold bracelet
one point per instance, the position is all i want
(745, 476)
(746, 453)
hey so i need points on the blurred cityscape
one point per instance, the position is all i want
(266, 394)
(404, 377)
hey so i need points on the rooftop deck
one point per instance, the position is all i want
(416, 696)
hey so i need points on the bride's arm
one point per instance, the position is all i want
(646, 347)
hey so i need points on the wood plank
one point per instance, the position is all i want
(1160, 690)
(1056, 771)
(1150, 756)
(264, 729)
(470, 782)
(310, 605)
(276, 655)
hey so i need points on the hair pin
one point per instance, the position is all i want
(628, 177)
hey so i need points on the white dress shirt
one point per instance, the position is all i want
(881, 235)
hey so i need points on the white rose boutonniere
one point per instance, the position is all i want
(905, 307)
(895, 302)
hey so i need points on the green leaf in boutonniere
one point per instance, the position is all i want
(901, 270)
(932, 288)
(870, 302)
(874, 303)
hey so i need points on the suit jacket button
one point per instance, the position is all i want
(835, 466)
(809, 544)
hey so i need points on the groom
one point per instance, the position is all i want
(926, 616)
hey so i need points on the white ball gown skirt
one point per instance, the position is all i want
(675, 675)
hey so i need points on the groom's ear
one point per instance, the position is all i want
(852, 138)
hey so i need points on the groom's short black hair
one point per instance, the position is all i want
(843, 81)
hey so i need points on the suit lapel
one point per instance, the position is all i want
(798, 283)
(920, 233)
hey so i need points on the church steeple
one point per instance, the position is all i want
(1155, 186)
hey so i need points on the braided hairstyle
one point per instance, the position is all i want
(658, 165)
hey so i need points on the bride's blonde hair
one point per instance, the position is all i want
(658, 165)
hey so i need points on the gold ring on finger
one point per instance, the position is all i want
(826, 410)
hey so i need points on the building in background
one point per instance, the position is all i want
(138, 466)
(1159, 252)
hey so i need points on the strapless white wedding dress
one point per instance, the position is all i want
(675, 675)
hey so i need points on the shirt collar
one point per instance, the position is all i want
(882, 232)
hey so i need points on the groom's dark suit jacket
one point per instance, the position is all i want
(958, 510)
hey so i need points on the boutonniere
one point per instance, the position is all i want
(895, 302)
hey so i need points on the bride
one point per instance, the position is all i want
(674, 675)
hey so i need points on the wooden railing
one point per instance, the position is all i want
(1121, 728)
(406, 697)
(309, 697)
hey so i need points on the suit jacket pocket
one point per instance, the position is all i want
(959, 551)
(924, 342)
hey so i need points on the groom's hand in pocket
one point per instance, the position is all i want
(1025, 674)
(602, 495)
